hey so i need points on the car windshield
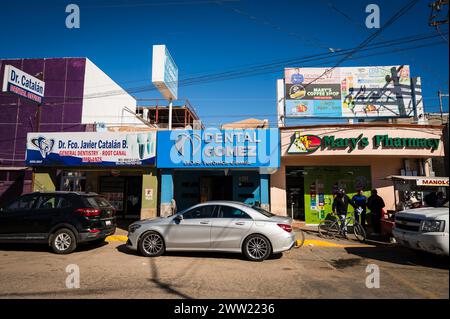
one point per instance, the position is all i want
(263, 211)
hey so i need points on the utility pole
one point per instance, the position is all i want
(436, 7)
(40, 76)
(440, 95)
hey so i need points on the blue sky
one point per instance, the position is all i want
(209, 37)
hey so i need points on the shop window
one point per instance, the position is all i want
(189, 195)
(244, 182)
(246, 195)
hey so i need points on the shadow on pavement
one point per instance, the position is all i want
(45, 248)
(400, 255)
(192, 254)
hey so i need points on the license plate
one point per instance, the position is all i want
(107, 222)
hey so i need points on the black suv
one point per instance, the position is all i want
(60, 219)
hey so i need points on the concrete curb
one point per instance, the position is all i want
(120, 238)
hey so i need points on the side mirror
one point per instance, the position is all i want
(178, 218)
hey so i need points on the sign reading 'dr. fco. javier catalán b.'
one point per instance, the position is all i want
(91, 149)
(307, 143)
(23, 84)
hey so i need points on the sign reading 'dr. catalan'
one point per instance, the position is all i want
(20, 83)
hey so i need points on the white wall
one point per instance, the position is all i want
(108, 107)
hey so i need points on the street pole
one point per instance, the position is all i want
(440, 95)
(170, 113)
(38, 117)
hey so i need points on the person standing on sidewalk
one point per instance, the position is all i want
(376, 204)
(340, 207)
(359, 202)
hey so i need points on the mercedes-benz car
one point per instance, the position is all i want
(223, 226)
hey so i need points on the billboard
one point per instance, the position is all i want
(164, 72)
(349, 92)
(214, 148)
(20, 83)
(91, 149)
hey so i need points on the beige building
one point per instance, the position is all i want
(317, 160)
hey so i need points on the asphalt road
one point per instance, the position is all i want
(312, 271)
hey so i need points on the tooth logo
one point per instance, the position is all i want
(185, 140)
(45, 146)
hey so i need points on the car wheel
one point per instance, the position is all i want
(257, 248)
(63, 241)
(151, 244)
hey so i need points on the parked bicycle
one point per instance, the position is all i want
(332, 228)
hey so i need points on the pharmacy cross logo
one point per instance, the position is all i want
(45, 146)
(183, 139)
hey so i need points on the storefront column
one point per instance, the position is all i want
(149, 194)
(264, 186)
(166, 192)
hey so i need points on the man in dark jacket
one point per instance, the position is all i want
(340, 207)
(376, 204)
(359, 202)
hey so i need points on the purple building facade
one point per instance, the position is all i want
(61, 111)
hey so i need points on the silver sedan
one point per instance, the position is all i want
(214, 226)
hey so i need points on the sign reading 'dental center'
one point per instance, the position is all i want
(87, 148)
(214, 148)
(18, 82)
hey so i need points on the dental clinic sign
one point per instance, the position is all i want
(214, 148)
(91, 149)
(20, 83)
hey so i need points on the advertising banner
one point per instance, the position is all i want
(91, 149)
(214, 148)
(164, 72)
(20, 83)
(349, 92)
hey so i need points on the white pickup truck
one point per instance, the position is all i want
(423, 229)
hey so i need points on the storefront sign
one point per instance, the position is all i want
(148, 192)
(91, 149)
(432, 182)
(310, 143)
(164, 72)
(214, 148)
(349, 92)
(20, 83)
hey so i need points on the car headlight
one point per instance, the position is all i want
(432, 226)
(133, 228)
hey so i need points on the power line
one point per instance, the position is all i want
(363, 44)
(253, 70)
(363, 27)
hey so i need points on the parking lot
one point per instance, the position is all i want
(319, 269)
